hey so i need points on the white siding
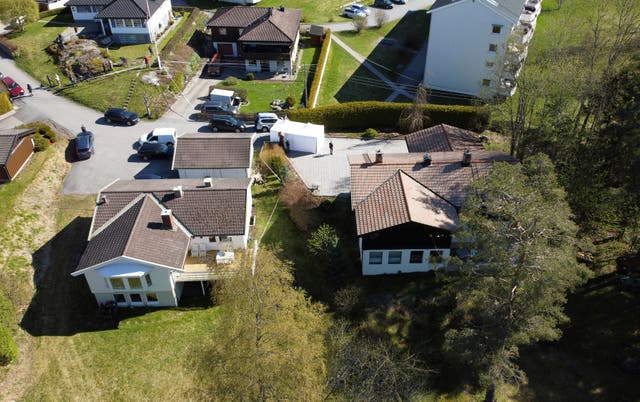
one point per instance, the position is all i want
(240, 173)
(404, 266)
(204, 243)
(158, 22)
(52, 4)
(458, 48)
(80, 16)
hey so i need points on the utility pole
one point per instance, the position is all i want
(155, 37)
(304, 73)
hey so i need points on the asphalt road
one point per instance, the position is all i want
(397, 12)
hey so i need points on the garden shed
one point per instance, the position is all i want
(302, 137)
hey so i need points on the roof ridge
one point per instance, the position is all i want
(446, 135)
(377, 187)
(116, 216)
(135, 223)
(400, 174)
(428, 188)
(276, 25)
(163, 206)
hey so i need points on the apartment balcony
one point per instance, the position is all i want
(524, 31)
(528, 17)
(507, 87)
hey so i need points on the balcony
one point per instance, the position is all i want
(209, 266)
(507, 87)
(524, 31)
(265, 52)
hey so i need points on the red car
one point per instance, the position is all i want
(13, 87)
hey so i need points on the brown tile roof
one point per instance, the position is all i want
(136, 231)
(261, 24)
(213, 151)
(9, 138)
(401, 199)
(204, 211)
(443, 138)
(445, 176)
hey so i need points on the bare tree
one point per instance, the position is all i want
(359, 23)
(414, 118)
(380, 18)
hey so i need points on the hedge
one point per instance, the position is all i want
(5, 103)
(324, 56)
(362, 115)
(178, 37)
(55, 11)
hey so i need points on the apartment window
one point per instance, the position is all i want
(493, 47)
(147, 278)
(135, 298)
(435, 256)
(119, 298)
(222, 31)
(489, 64)
(152, 298)
(137, 23)
(496, 29)
(394, 257)
(135, 283)
(416, 257)
(486, 82)
(375, 257)
(117, 283)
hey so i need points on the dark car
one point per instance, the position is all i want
(84, 145)
(386, 4)
(151, 150)
(399, 1)
(121, 116)
(226, 123)
(13, 87)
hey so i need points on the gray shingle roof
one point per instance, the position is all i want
(9, 138)
(129, 9)
(443, 138)
(213, 151)
(261, 24)
(87, 2)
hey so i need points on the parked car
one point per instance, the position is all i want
(84, 145)
(13, 87)
(362, 8)
(120, 115)
(351, 12)
(214, 107)
(226, 123)
(386, 4)
(165, 136)
(266, 120)
(399, 1)
(150, 150)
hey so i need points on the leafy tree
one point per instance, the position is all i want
(268, 342)
(512, 291)
(19, 12)
(323, 241)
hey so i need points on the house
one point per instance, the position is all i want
(264, 39)
(443, 138)
(217, 155)
(44, 5)
(478, 47)
(16, 148)
(145, 234)
(406, 206)
(126, 21)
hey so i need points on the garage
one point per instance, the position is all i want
(302, 137)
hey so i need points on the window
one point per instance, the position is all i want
(222, 31)
(224, 238)
(493, 47)
(375, 257)
(117, 23)
(135, 298)
(119, 298)
(416, 257)
(117, 283)
(395, 257)
(135, 283)
(152, 298)
(147, 278)
(435, 256)
(486, 82)
(489, 64)
(137, 23)
(496, 29)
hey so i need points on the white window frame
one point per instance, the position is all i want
(399, 259)
(371, 254)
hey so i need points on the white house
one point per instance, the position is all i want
(127, 21)
(143, 233)
(215, 155)
(302, 137)
(477, 47)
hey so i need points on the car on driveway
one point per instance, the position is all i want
(399, 1)
(155, 150)
(13, 87)
(226, 123)
(386, 4)
(84, 145)
(362, 8)
(120, 115)
(162, 135)
(265, 120)
(351, 12)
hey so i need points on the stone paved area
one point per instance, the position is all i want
(330, 173)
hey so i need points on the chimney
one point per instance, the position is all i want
(177, 192)
(207, 182)
(426, 160)
(103, 200)
(378, 156)
(466, 158)
(167, 219)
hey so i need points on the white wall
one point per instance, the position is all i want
(235, 242)
(458, 47)
(405, 266)
(239, 173)
(158, 22)
(54, 4)
(78, 16)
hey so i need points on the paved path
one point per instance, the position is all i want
(331, 173)
(397, 12)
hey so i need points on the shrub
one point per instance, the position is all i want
(370, 133)
(349, 301)
(323, 241)
(5, 103)
(322, 60)
(277, 165)
(177, 83)
(290, 102)
(250, 77)
(359, 23)
(43, 130)
(362, 115)
(230, 81)
(40, 143)
(8, 348)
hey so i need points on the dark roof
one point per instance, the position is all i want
(9, 139)
(204, 211)
(129, 9)
(213, 151)
(137, 232)
(261, 24)
(87, 2)
(443, 138)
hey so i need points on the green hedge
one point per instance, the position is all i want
(5, 103)
(362, 115)
(315, 85)
(55, 11)
(179, 36)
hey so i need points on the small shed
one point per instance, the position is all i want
(317, 35)
(16, 148)
(302, 137)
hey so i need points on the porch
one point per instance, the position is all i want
(210, 266)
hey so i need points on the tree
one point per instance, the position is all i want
(380, 18)
(19, 12)
(359, 23)
(512, 291)
(413, 118)
(268, 343)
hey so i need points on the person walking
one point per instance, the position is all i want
(150, 50)
(30, 89)
(49, 79)
(331, 147)
(58, 79)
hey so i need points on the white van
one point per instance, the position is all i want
(165, 136)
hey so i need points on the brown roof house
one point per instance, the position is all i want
(406, 206)
(264, 39)
(16, 148)
(149, 237)
(217, 155)
(443, 138)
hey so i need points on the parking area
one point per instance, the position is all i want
(330, 174)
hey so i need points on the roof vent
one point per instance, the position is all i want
(177, 192)
(466, 158)
(426, 160)
(103, 200)
(207, 182)
(379, 156)
(167, 219)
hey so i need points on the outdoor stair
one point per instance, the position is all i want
(132, 88)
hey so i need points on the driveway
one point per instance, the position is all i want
(331, 173)
(398, 11)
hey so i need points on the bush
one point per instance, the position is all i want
(43, 130)
(8, 347)
(349, 301)
(5, 103)
(230, 81)
(370, 133)
(277, 165)
(40, 143)
(177, 83)
(322, 60)
(290, 102)
(250, 77)
(362, 115)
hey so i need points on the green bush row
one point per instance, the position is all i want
(5, 103)
(178, 37)
(43, 130)
(55, 11)
(362, 115)
(315, 85)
